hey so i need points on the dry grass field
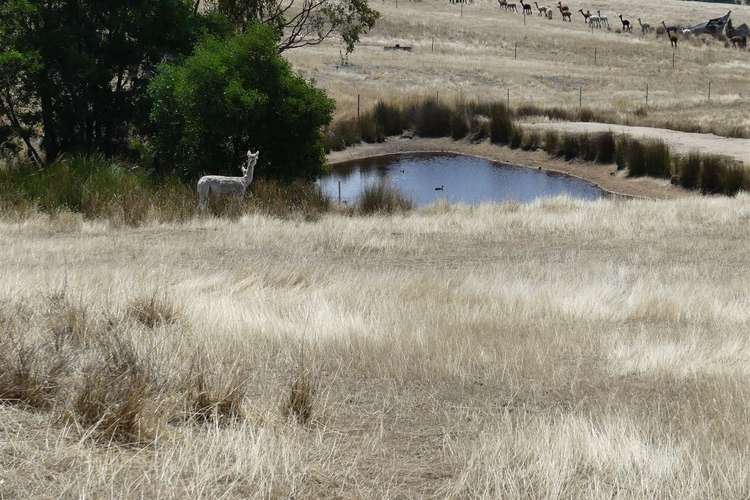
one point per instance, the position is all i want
(555, 350)
(474, 58)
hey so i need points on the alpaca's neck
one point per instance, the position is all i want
(248, 177)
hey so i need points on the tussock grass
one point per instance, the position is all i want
(152, 310)
(300, 403)
(382, 198)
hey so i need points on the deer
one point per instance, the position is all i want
(221, 185)
(671, 34)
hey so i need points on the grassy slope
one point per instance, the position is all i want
(473, 58)
(560, 349)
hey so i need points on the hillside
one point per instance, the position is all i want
(474, 49)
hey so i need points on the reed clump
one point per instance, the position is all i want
(382, 198)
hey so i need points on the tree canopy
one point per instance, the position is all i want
(235, 94)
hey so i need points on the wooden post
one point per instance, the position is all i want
(433, 44)
(647, 95)
(515, 51)
(595, 55)
(462, 9)
(672, 58)
(508, 100)
(580, 97)
(358, 107)
(709, 91)
(339, 192)
(437, 95)
(524, 16)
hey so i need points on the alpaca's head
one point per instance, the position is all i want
(252, 159)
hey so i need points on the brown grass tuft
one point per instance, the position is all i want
(301, 401)
(152, 311)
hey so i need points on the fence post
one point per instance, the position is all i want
(580, 97)
(647, 95)
(433, 44)
(672, 58)
(515, 51)
(508, 100)
(339, 192)
(358, 107)
(709, 91)
(595, 55)
(462, 9)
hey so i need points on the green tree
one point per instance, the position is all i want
(232, 95)
(78, 70)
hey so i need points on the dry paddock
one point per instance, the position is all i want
(558, 350)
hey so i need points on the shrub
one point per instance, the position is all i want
(433, 119)
(389, 118)
(711, 173)
(605, 146)
(586, 115)
(516, 137)
(382, 198)
(531, 140)
(635, 158)
(658, 159)
(690, 171)
(621, 147)
(551, 141)
(369, 130)
(231, 95)
(733, 179)
(459, 125)
(586, 147)
(568, 147)
(342, 134)
(501, 124)
(204, 404)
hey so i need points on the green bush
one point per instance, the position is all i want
(232, 95)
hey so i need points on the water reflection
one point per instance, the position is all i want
(465, 179)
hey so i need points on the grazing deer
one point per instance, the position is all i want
(671, 34)
(221, 185)
(626, 26)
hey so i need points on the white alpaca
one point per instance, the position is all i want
(220, 185)
(603, 20)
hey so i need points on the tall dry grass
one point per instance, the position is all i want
(559, 350)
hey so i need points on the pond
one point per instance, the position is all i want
(459, 179)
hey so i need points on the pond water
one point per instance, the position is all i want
(463, 179)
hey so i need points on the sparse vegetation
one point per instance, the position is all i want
(382, 198)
